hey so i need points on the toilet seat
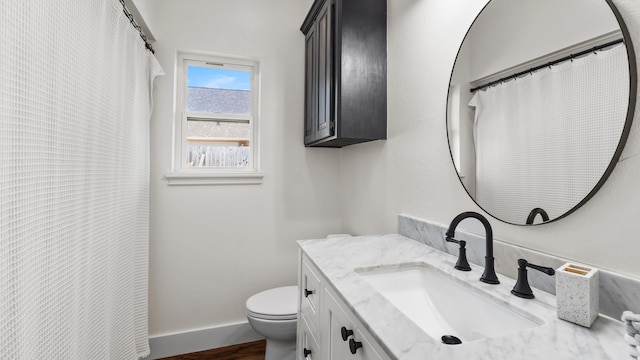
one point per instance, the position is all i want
(274, 304)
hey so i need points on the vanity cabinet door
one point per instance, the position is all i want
(308, 347)
(335, 320)
(338, 322)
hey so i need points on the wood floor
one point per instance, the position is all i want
(248, 351)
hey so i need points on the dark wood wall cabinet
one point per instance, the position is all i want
(345, 72)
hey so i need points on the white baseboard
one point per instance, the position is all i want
(199, 340)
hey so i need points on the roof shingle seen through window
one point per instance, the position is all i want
(223, 101)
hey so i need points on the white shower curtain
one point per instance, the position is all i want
(544, 140)
(75, 94)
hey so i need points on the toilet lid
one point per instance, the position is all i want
(274, 304)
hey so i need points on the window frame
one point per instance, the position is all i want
(181, 173)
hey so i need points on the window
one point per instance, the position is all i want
(216, 121)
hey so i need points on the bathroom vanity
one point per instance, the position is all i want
(327, 328)
(348, 311)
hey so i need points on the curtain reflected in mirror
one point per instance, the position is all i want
(539, 106)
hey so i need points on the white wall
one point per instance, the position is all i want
(412, 173)
(145, 8)
(143, 14)
(214, 246)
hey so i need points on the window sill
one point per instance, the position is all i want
(227, 178)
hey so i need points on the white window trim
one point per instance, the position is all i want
(181, 175)
(209, 178)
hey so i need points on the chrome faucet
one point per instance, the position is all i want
(489, 276)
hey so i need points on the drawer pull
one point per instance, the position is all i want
(345, 333)
(306, 352)
(307, 292)
(354, 345)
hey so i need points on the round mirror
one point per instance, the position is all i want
(541, 100)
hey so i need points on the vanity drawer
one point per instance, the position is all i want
(310, 295)
(308, 346)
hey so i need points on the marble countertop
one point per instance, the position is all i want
(556, 339)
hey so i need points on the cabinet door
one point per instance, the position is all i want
(324, 24)
(308, 347)
(337, 321)
(311, 85)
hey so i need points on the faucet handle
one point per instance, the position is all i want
(522, 288)
(547, 270)
(462, 264)
(451, 239)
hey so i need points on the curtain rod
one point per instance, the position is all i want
(569, 57)
(137, 27)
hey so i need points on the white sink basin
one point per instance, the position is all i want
(442, 305)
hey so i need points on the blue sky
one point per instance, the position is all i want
(218, 78)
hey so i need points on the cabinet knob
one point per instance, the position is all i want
(307, 292)
(306, 352)
(345, 333)
(354, 345)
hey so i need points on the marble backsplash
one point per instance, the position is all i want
(617, 292)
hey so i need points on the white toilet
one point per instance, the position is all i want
(274, 314)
